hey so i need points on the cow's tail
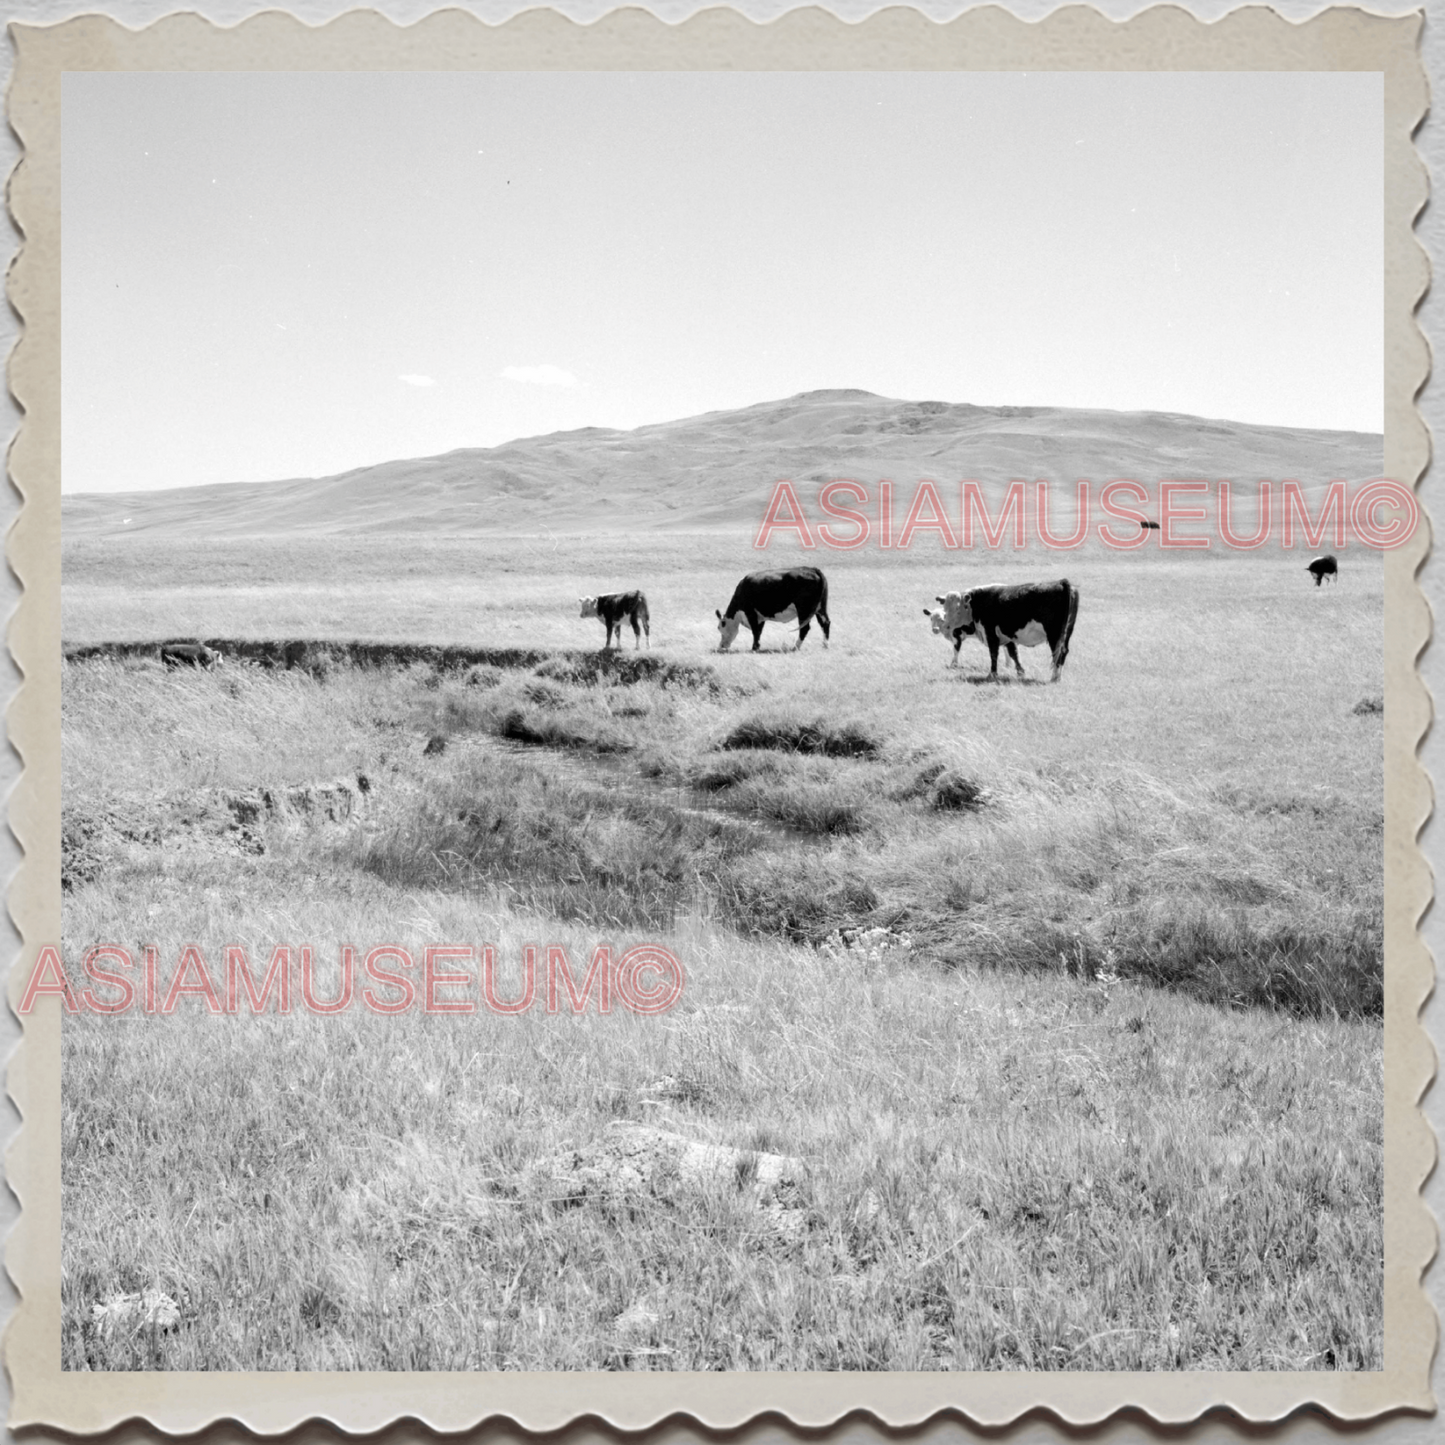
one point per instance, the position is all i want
(1061, 652)
(824, 621)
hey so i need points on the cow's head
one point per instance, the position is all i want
(727, 629)
(955, 613)
(589, 606)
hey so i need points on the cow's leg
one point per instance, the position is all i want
(636, 634)
(802, 632)
(647, 628)
(755, 621)
(610, 626)
(825, 623)
(991, 637)
(1013, 653)
(957, 644)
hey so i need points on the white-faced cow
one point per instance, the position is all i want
(1323, 567)
(615, 608)
(799, 593)
(188, 654)
(1027, 614)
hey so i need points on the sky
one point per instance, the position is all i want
(272, 276)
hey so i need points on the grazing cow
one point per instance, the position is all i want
(1148, 526)
(188, 654)
(614, 608)
(1323, 567)
(1030, 613)
(798, 592)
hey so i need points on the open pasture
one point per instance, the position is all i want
(1060, 1002)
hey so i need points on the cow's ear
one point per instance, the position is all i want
(719, 614)
(928, 612)
(938, 599)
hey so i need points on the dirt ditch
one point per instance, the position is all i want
(621, 778)
(561, 664)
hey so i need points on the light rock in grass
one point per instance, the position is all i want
(639, 1159)
(871, 945)
(637, 1318)
(337, 801)
(122, 1314)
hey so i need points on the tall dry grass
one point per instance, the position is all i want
(1106, 1096)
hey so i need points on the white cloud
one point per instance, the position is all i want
(540, 375)
(412, 379)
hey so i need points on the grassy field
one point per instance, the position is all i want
(1059, 1004)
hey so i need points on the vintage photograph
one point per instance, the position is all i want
(722, 721)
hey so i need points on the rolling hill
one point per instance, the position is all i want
(717, 471)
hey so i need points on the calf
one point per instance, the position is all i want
(1323, 567)
(1030, 613)
(188, 654)
(798, 592)
(614, 608)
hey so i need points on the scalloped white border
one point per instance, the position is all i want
(988, 38)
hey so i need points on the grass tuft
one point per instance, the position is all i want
(792, 735)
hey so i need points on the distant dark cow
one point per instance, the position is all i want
(1323, 567)
(799, 592)
(1148, 526)
(188, 654)
(615, 608)
(1028, 614)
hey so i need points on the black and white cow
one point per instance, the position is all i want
(1323, 567)
(615, 608)
(1027, 614)
(188, 654)
(799, 593)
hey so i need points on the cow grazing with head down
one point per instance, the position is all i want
(1323, 567)
(799, 593)
(1027, 614)
(188, 654)
(615, 608)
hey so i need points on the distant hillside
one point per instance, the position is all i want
(718, 470)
